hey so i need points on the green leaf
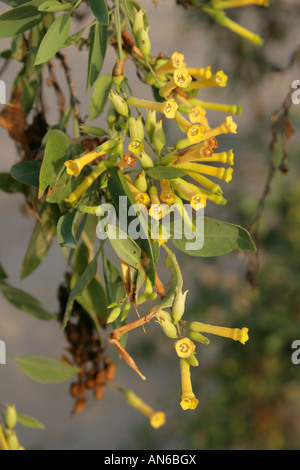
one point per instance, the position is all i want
(53, 6)
(29, 421)
(93, 297)
(97, 53)
(175, 282)
(54, 39)
(9, 185)
(56, 153)
(88, 274)
(27, 172)
(164, 172)
(113, 280)
(3, 274)
(20, 19)
(125, 248)
(41, 239)
(66, 230)
(100, 95)
(25, 302)
(219, 238)
(44, 370)
(99, 8)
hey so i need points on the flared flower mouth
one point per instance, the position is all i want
(177, 60)
(136, 146)
(142, 198)
(170, 108)
(182, 78)
(129, 160)
(157, 211)
(198, 201)
(184, 347)
(189, 402)
(73, 168)
(158, 419)
(168, 197)
(195, 133)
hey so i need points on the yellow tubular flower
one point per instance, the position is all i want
(86, 183)
(167, 196)
(220, 17)
(157, 211)
(219, 79)
(184, 347)
(226, 108)
(194, 131)
(212, 187)
(157, 418)
(198, 116)
(181, 78)
(74, 167)
(188, 399)
(237, 334)
(217, 199)
(221, 173)
(200, 73)
(141, 198)
(228, 126)
(127, 161)
(197, 199)
(168, 108)
(222, 4)
(176, 62)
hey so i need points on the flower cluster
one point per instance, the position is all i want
(185, 347)
(184, 174)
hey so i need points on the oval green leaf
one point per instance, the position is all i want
(20, 19)
(29, 421)
(44, 370)
(54, 39)
(220, 238)
(99, 8)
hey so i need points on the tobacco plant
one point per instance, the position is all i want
(128, 184)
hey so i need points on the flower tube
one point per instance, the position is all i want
(167, 196)
(194, 131)
(188, 399)
(168, 108)
(219, 79)
(197, 199)
(157, 418)
(237, 334)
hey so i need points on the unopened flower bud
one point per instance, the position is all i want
(158, 137)
(138, 21)
(114, 314)
(118, 74)
(143, 42)
(119, 103)
(178, 306)
(150, 123)
(141, 182)
(165, 321)
(11, 417)
(12, 439)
